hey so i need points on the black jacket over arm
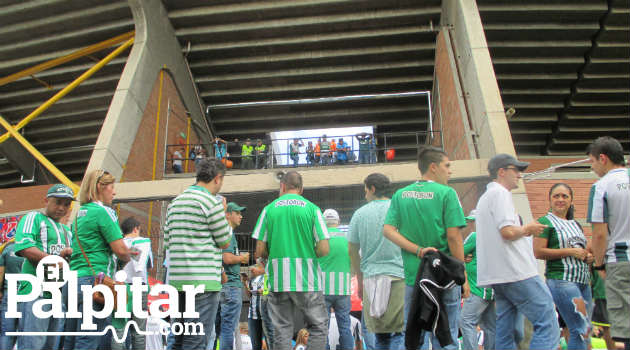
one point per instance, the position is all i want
(437, 273)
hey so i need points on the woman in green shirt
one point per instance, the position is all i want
(564, 246)
(97, 233)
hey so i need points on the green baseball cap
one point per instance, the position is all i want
(231, 207)
(60, 191)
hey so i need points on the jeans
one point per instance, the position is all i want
(266, 321)
(478, 311)
(255, 332)
(88, 342)
(8, 325)
(295, 158)
(31, 323)
(364, 157)
(247, 162)
(281, 309)
(452, 303)
(389, 341)
(206, 305)
(231, 303)
(532, 298)
(575, 304)
(368, 337)
(342, 305)
(177, 169)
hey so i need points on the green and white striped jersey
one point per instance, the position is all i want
(561, 234)
(336, 265)
(291, 226)
(42, 232)
(195, 229)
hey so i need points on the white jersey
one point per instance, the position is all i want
(138, 265)
(609, 202)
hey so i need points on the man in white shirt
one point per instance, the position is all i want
(506, 260)
(137, 267)
(609, 212)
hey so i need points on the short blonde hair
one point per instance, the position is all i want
(301, 335)
(92, 180)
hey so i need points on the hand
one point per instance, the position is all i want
(65, 252)
(465, 290)
(244, 258)
(602, 274)
(534, 228)
(426, 250)
(589, 258)
(579, 253)
(468, 258)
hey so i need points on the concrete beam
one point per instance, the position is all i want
(263, 180)
(155, 47)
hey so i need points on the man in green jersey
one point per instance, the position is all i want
(37, 236)
(427, 216)
(336, 278)
(292, 234)
(196, 230)
(232, 290)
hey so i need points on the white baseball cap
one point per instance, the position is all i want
(331, 216)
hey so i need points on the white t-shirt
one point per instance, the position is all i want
(177, 158)
(609, 202)
(500, 260)
(138, 265)
(333, 331)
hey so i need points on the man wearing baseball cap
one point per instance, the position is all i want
(336, 279)
(506, 260)
(38, 235)
(231, 292)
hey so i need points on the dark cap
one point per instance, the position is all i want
(60, 191)
(504, 160)
(231, 207)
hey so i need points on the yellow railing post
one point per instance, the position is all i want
(187, 145)
(68, 88)
(40, 157)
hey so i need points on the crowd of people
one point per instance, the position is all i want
(422, 280)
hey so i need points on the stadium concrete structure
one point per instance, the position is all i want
(132, 81)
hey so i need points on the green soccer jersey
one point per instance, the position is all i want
(470, 247)
(97, 227)
(422, 212)
(195, 229)
(233, 271)
(42, 232)
(561, 234)
(291, 226)
(336, 265)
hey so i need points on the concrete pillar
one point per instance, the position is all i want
(155, 47)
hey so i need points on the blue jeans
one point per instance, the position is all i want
(390, 341)
(31, 323)
(369, 339)
(87, 342)
(452, 303)
(295, 158)
(532, 298)
(266, 321)
(575, 303)
(231, 303)
(364, 157)
(206, 305)
(255, 332)
(8, 325)
(342, 305)
(477, 311)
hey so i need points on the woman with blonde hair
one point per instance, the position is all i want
(96, 235)
(302, 340)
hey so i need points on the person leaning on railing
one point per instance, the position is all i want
(97, 234)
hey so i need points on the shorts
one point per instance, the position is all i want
(600, 314)
(618, 299)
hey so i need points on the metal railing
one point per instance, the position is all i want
(279, 155)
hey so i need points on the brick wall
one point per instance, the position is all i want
(448, 113)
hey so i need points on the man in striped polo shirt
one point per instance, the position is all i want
(292, 233)
(196, 230)
(609, 212)
(336, 279)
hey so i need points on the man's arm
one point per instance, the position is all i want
(390, 232)
(512, 233)
(232, 259)
(120, 249)
(1, 280)
(456, 247)
(355, 267)
(261, 250)
(599, 242)
(322, 248)
(32, 254)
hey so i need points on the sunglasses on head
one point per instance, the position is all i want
(98, 179)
